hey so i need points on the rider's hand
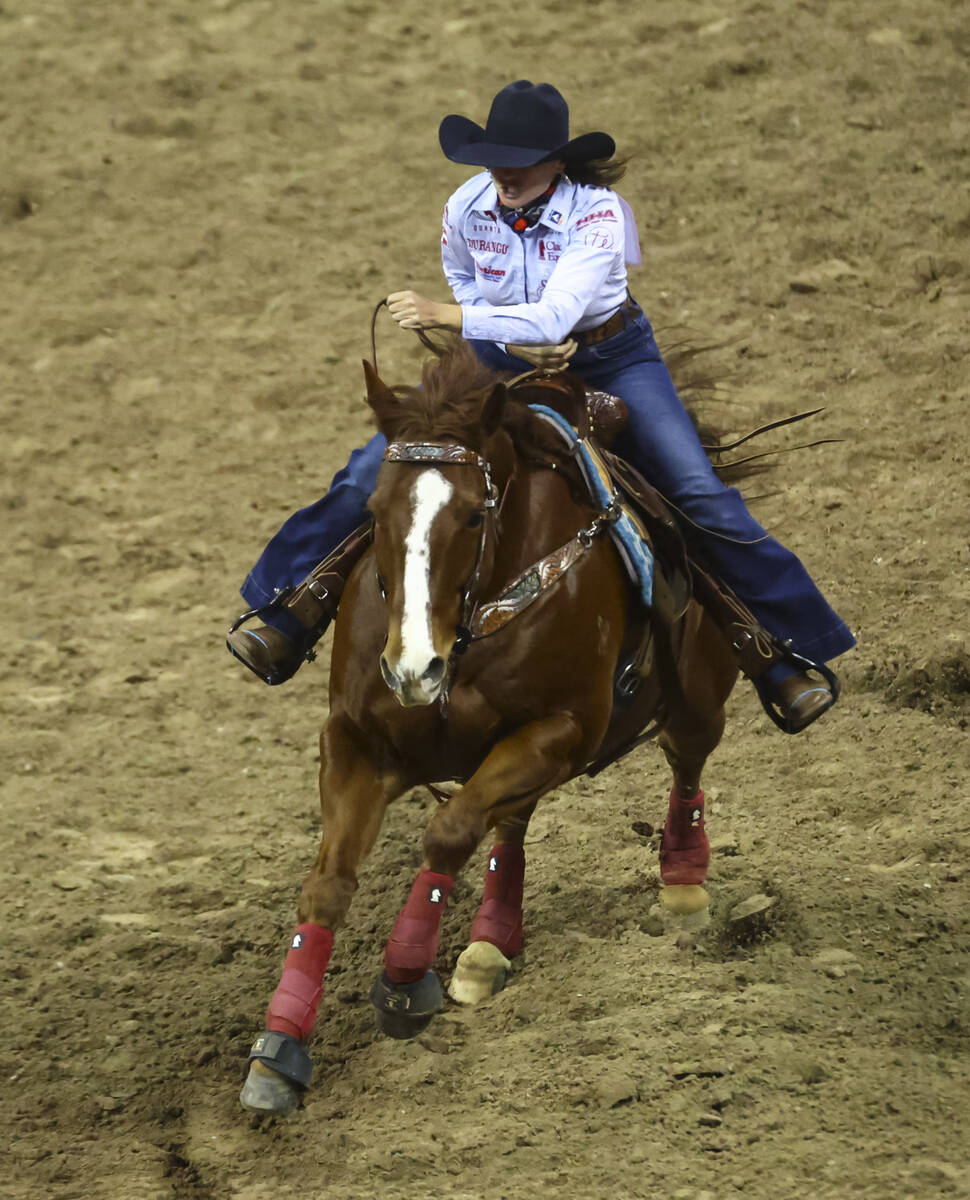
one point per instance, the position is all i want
(546, 358)
(412, 311)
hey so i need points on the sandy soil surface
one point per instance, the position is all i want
(200, 204)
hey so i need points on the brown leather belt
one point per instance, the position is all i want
(615, 324)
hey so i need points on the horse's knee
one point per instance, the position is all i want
(452, 836)
(325, 899)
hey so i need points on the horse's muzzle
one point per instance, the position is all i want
(412, 689)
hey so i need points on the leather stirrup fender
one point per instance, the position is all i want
(318, 596)
(314, 601)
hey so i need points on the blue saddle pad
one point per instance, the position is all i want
(627, 531)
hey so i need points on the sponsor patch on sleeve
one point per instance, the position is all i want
(601, 214)
(598, 228)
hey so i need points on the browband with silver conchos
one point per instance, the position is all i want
(450, 453)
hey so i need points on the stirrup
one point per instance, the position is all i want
(273, 665)
(270, 606)
(773, 708)
(312, 603)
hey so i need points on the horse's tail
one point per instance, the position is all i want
(695, 383)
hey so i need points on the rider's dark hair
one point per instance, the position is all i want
(597, 172)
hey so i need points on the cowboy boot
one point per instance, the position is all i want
(788, 684)
(276, 657)
(793, 698)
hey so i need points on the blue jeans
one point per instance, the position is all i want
(661, 442)
(312, 532)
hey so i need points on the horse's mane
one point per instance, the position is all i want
(447, 404)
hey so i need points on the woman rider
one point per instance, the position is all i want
(534, 249)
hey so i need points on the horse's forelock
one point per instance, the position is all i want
(448, 404)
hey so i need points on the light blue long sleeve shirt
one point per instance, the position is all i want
(565, 273)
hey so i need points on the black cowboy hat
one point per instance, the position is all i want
(528, 123)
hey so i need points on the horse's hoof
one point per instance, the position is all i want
(687, 904)
(405, 1009)
(279, 1070)
(480, 972)
(266, 1091)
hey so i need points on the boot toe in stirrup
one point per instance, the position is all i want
(803, 701)
(269, 654)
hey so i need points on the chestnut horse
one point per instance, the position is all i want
(465, 505)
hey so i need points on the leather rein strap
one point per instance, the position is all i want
(422, 336)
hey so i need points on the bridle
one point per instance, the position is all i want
(452, 454)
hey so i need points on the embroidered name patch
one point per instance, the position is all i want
(489, 247)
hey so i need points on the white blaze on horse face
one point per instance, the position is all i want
(429, 495)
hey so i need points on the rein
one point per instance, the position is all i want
(421, 335)
(533, 373)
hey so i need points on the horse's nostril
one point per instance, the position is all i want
(435, 671)
(390, 678)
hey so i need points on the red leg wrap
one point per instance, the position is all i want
(293, 1008)
(499, 919)
(413, 942)
(684, 849)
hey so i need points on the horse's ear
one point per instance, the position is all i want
(494, 409)
(379, 396)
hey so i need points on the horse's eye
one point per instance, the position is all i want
(382, 587)
(475, 519)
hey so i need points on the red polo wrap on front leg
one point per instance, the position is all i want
(413, 943)
(684, 849)
(499, 919)
(293, 1008)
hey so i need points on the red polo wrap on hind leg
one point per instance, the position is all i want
(684, 849)
(413, 943)
(499, 919)
(293, 1008)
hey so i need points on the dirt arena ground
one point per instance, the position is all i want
(200, 204)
